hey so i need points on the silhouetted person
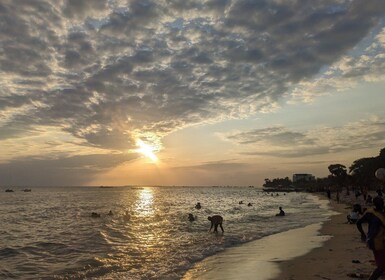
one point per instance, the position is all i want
(215, 221)
(95, 215)
(357, 193)
(249, 204)
(191, 218)
(328, 192)
(281, 212)
(353, 217)
(198, 206)
(369, 199)
(110, 213)
(375, 236)
(357, 208)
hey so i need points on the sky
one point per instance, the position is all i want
(175, 92)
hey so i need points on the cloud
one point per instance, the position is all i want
(217, 166)
(274, 135)
(362, 64)
(65, 171)
(282, 142)
(110, 72)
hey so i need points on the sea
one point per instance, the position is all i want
(50, 233)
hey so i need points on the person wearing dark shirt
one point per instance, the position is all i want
(216, 221)
(375, 235)
(281, 212)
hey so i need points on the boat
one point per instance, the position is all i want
(27, 190)
(8, 190)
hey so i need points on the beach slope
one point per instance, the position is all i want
(343, 254)
(331, 250)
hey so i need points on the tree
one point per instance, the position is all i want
(362, 171)
(339, 174)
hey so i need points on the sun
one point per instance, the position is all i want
(146, 150)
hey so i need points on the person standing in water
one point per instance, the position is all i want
(216, 221)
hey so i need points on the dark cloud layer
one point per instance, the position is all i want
(108, 72)
(75, 170)
(282, 142)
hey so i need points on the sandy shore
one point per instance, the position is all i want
(334, 260)
(330, 250)
(258, 259)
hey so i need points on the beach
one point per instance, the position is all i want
(336, 258)
(330, 250)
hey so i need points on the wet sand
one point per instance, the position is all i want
(319, 251)
(336, 258)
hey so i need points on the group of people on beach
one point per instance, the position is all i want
(375, 236)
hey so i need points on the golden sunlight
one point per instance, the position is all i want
(144, 204)
(146, 150)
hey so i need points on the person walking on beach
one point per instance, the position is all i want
(375, 236)
(216, 221)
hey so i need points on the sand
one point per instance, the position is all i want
(331, 250)
(334, 260)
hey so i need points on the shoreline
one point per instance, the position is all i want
(258, 259)
(328, 250)
(334, 259)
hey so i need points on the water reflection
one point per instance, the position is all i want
(144, 205)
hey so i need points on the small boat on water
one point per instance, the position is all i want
(27, 190)
(8, 190)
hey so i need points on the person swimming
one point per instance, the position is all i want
(95, 215)
(191, 218)
(216, 221)
(281, 212)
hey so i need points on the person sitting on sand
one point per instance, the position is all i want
(353, 217)
(215, 221)
(357, 208)
(198, 206)
(249, 204)
(375, 236)
(281, 212)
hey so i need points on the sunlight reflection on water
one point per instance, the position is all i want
(147, 237)
(144, 206)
